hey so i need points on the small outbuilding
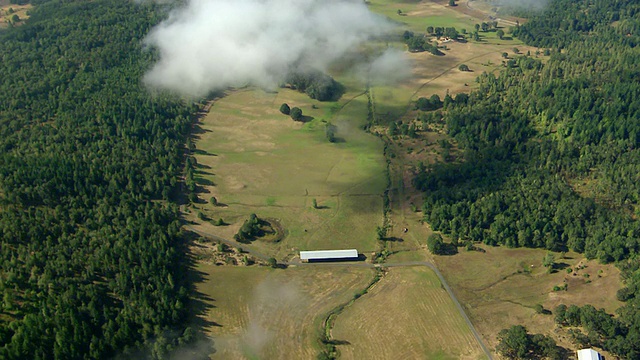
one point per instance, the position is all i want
(329, 255)
(589, 354)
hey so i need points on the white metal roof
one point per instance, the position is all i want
(328, 254)
(588, 354)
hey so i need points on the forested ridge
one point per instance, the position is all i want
(550, 154)
(91, 264)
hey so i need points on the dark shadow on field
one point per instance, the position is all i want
(361, 257)
(198, 130)
(337, 342)
(203, 181)
(305, 119)
(393, 239)
(203, 166)
(187, 275)
(559, 266)
(202, 152)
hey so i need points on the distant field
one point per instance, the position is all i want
(8, 11)
(433, 74)
(499, 288)
(262, 313)
(407, 315)
(417, 15)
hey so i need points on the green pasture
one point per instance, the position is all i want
(256, 160)
(417, 15)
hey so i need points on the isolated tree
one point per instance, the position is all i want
(213, 201)
(435, 244)
(516, 50)
(285, 109)
(314, 203)
(296, 114)
(477, 27)
(485, 27)
(272, 262)
(393, 128)
(505, 55)
(463, 67)
(429, 29)
(514, 343)
(549, 261)
(330, 131)
(500, 33)
(452, 2)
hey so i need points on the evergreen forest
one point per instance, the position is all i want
(91, 264)
(549, 154)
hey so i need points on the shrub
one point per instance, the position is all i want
(285, 109)
(296, 114)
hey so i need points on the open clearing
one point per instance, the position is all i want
(254, 159)
(407, 315)
(8, 11)
(262, 313)
(499, 288)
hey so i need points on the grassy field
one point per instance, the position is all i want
(256, 160)
(407, 315)
(500, 288)
(417, 15)
(262, 313)
(8, 11)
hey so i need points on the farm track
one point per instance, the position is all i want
(360, 265)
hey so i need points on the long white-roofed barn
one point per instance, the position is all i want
(329, 255)
(588, 354)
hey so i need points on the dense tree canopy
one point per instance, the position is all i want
(90, 259)
(550, 149)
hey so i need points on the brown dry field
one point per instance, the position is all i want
(20, 10)
(264, 313)
(407, 315)
(499, 288)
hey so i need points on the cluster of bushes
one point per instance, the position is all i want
(316, 84)
(432, 103)
(517, 343)
(250, 229)
(419, 43)
(437, 246)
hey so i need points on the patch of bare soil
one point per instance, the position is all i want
(220, 254)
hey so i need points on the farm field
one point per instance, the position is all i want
(254, 159)
(500, 288)
(407, 315)
(264, 313)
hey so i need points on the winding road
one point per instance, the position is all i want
(356, 264)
